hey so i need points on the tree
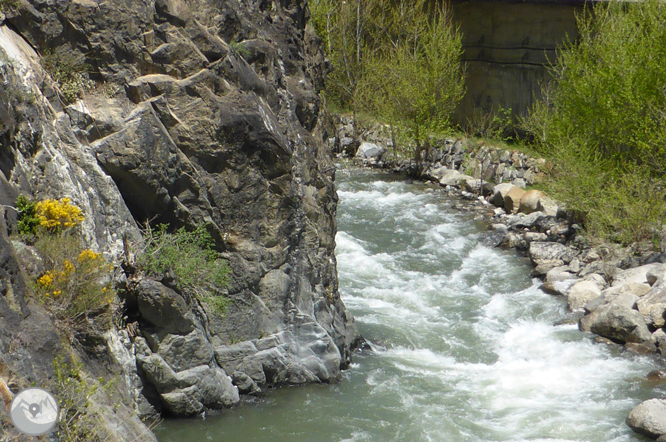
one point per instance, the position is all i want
(414, 77)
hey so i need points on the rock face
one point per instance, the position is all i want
(205, 112)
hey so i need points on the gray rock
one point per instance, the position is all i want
(621, 324)
(582, 293)
(653, 305)
(542, 252)
(163, 307)
(370, 150)
(656, 274)
(183, 402)
(659, 338)
(649, 418)
(499, 192)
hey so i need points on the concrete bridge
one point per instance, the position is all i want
(507, 46)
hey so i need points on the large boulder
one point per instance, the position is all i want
(499, 192)
(549, 255)
(621, 325)
(529, 202)
(512, 199)
(451, 177)
(653, 306)
(163, 307)
(582, 293)
(649, 418)
(370, 151)
(548, 206)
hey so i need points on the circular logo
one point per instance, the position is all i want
(34, 411)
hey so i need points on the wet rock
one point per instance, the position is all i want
(649, 418)
(659, 338)
(642, 348)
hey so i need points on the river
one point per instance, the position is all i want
(466, 345)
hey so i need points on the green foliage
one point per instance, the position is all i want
(397, 61)
(416, 81)
(494, 125)
(190, 258)
(9, 5)
(77, 284)
(239, 48)
(28, 221)
(69, 73)
(79, 421)
(603, 121)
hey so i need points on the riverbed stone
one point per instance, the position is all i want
(621, 324)
(370, 150)
(548, 206)
(499, 192)
(659, 338)
(541, 252)
(581, 293)
(649, 418)
(653, 305)
(656, 274)
(512, 199)
(529, 202)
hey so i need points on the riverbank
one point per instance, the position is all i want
(617, 293)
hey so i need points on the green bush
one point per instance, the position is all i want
(190, 258)
(28, 221)
(77, 284)
(70, 73)
(603, 120)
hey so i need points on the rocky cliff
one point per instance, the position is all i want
(187, 113)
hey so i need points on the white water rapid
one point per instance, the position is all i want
(466, 346)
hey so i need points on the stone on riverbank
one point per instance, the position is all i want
(582, 293)
(499, 192)
(370, 150)
(621, 324)
(649, 418)
(512, 199)
(530, 201)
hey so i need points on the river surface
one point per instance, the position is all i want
(466, 346)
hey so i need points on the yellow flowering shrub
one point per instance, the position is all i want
(57, 215)
(77, 282)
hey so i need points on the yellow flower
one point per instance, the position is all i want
(46, 279)
(88, 255)
(55, 215)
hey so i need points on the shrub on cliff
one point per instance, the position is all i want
(189, 258)
(603, 120)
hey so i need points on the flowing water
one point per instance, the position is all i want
(466, 346)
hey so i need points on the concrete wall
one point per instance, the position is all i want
(507, 46)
